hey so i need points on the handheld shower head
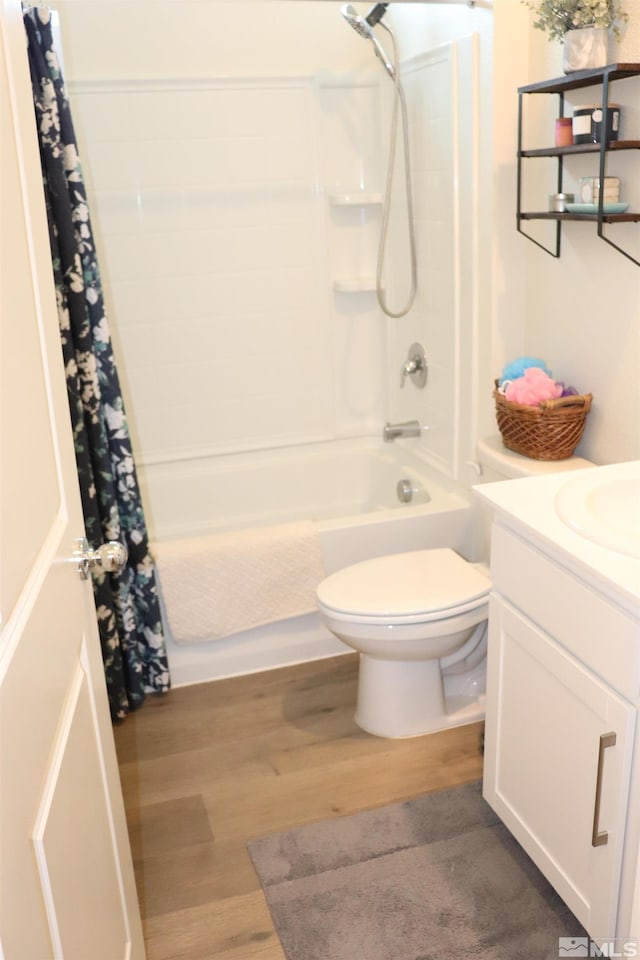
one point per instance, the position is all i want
(362, 26)
(354, 20)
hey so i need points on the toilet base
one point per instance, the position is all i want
(406, 699)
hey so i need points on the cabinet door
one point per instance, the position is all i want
(546, 715)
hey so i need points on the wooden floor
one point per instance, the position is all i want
(208, 767)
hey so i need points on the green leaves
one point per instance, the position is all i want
(557, 17)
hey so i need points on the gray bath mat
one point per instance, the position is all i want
(435, 878)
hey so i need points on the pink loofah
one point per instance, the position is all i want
(533, 387)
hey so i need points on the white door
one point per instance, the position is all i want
(67, 886)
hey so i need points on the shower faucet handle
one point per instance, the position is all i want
(415, 366)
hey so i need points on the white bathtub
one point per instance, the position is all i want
(347, 487)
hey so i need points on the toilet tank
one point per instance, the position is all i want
(496, 462)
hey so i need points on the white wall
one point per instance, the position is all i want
(580, 312)
(583, 310)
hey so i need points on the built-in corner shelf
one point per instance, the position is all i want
(358, 284)
(355, 198)
(559, 86)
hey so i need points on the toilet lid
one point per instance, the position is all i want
(405, 584)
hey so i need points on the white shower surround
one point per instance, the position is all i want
(215, 233)
(221, 245)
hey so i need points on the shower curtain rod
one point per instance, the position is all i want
(424, 3)
(429, 3)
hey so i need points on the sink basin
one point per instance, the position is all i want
(604, 506)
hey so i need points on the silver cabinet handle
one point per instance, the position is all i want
(109, 557)
(600, 837)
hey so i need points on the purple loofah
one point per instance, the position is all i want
(568, 391)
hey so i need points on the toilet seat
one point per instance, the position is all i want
(415, 587)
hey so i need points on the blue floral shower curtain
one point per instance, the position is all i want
(133, 645)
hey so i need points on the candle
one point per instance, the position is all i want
(564, 132)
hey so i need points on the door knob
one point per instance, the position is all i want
(109, 557)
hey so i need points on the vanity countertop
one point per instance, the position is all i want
(529, 506)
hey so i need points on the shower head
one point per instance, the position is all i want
(365, 28)
(354, 19)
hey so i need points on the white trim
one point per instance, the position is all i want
(60, 742)
(106, 785)
(457, 266)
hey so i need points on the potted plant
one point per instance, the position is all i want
(582, 25)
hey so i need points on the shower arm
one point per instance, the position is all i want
(376, 13)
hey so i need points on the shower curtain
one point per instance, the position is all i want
(128, 612)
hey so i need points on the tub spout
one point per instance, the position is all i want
(391, 431)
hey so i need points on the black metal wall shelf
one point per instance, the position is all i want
(583, 78)
(559, 86)
(612, 147)
(594, 217)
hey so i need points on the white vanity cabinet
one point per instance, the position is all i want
(562, 694)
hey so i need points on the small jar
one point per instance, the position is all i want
(558, 202)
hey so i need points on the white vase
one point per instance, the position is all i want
(585, 49)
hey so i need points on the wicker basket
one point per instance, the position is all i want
(550, 431)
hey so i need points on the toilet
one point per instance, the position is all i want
(419, 622)
(403, 613)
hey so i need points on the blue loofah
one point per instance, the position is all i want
(517, 368)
